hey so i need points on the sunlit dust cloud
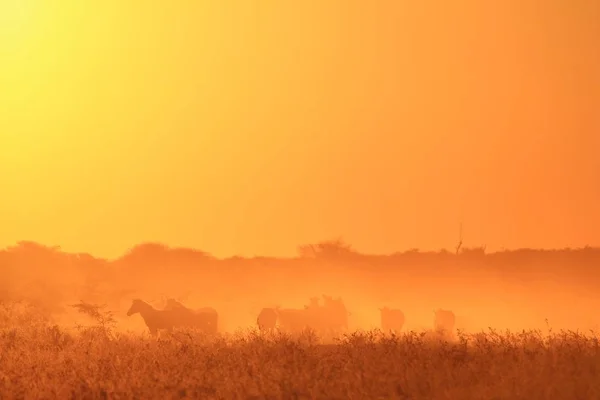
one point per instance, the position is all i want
(515, 290)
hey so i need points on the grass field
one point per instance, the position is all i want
(39, 360)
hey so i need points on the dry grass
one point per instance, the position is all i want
(41, 361)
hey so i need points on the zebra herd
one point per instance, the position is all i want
(330, 318)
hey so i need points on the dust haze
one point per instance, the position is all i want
(515, 290)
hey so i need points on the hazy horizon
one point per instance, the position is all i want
(334, 242)
(251, 129)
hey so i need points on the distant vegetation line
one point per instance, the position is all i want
(329, 249)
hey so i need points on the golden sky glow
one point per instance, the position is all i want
(249, 127)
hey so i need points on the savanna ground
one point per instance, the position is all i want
(40, 360)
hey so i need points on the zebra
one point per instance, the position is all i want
(337, 313)
(205, 318)
(155, 319)
(267, 320)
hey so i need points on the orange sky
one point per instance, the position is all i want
(245, 129)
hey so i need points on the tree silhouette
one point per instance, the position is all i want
(329, 249)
